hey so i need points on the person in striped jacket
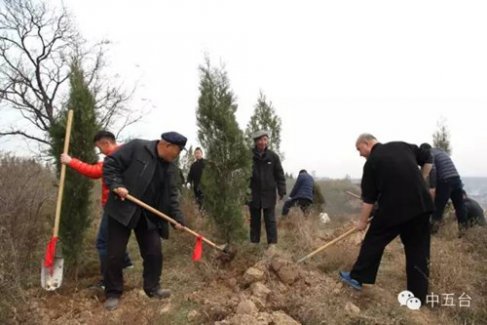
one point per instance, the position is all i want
(106, 143)
(446, 184)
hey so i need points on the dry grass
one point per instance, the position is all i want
(26, 197)
(212, 288)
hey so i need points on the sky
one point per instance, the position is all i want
(332, 70)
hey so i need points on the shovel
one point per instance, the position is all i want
(52, 266)
(334, 241)
(223, 248)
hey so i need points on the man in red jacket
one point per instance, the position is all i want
(106, 143)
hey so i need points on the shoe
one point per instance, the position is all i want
(346, 278)
(160, 293)
(111, 303)
(271, 247)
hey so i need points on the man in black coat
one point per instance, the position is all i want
(391, 178)
(267, 178)
(145, 170)
(194, 175)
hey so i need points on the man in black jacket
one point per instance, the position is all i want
(392, 178)
(267, 177)
(194, 175)
(145, 170)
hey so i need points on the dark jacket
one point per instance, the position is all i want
(392, 178)
(267, 177)
(303, 188)
(475, 213)
(133, 166)
(195, 172)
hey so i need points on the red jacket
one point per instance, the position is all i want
(94, 171)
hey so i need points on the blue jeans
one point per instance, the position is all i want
(101, 245)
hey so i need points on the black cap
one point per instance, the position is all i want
(174, 138)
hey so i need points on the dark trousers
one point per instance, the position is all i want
(270, 224)
(101, 245)
(198, 195)
(150, 249)
(415, 236)
(450, 188)
(303, 204)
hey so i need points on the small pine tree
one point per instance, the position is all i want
(75, 212)
(441, 138)
(265, 118)
(225, 180)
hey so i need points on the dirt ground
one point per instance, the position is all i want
(267, 286)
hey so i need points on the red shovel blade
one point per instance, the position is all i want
(50, 253)
(198, 249)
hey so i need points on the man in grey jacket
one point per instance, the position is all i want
(145, 169)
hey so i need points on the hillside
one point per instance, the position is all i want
(257, 287)
(262, 287)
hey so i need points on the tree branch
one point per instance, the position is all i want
(22, 133)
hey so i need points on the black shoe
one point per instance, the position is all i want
(160, 293)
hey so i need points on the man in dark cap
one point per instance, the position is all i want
(145, 169)
(267, 179)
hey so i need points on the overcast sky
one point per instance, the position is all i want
(332, 69)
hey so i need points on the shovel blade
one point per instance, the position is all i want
(51, 278)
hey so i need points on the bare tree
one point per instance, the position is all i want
(37, 45)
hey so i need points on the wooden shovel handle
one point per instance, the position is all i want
(353, 194)
(319, 249)
(170, 220)
(60, 192)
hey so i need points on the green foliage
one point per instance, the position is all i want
(265, 118)
(225, 179)
(441, 138)
(318, 198)
(75, 218)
